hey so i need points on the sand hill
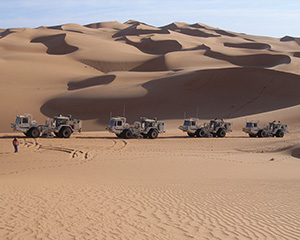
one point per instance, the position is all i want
(90, 71)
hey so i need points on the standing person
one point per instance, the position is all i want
(16, 144)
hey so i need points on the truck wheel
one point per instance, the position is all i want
(280, 134)
(191, 134)
(34, 132)
(200, 133)
(127, 133)
(118, 135)
(252, 135)
(65, 132)
(221, 133)
(153, 133)
(262, 133)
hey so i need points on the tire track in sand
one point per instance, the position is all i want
(77, 156)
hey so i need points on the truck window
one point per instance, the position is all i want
(24, 120)
(186, 123)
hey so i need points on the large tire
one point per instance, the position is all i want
(127, 133)
(252, 135)
(262, 134)
(34, 132)
(221, 133)
(200, 133)
(279, 134)
(153, 133)
(118, 135)
(65, 132)
(191, 134)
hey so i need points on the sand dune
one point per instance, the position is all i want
(251, 91)
(231, 70)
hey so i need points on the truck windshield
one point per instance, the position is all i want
(112, 123)
(18, 120)
(60, 122)
(186, 123)
(249, 125)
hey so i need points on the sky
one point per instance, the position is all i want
(274, 18)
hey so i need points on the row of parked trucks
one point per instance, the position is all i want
(63, 127)
(150, 128)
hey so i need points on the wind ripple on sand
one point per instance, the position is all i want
(148, 212)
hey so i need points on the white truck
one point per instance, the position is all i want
(61, 126)
(214, 128)
(272, 129)
(145, 128)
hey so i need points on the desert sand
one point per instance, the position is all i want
(96, 186)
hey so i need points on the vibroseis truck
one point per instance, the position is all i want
(213, 128)
(145, 128)
(61, 126)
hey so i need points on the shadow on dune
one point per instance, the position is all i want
(133, 30)
(255, 60)
(56, 44)
(296, 153)
(225, 33)
(290, 39)
(297, 54)
(255, 46)
(188, 30)
(155, 64)
(223, 93)
(90, 82)
(147, 45)
(6, 33)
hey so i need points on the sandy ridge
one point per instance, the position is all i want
(82, 59)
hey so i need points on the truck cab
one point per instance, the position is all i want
(190, 126)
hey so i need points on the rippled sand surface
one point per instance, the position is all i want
(95, 186)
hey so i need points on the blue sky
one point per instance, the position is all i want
(275, 18)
